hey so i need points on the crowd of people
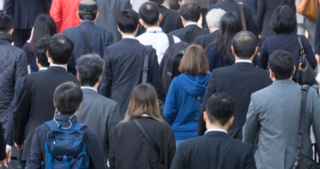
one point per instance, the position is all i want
(209, 84)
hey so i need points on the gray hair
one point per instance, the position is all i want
(214, 16)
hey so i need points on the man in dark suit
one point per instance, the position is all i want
(98, 38)
(190, 14)
(23, 14)
(232, 6)
(124, 63)
(215, 149)
(239, 81)
(98, 112)
(35, 105)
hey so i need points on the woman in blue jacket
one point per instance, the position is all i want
(181, 109)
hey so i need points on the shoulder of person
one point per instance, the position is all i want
(89, 132)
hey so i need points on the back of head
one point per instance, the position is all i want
(220, 108)
(89, 68)
(194, 61)
(127, 21)
(283, 20)
(60, 48)
(149, 13)
(158, 2)
(40, 51)
(174, 5)
(190, 12)
(87, 10)
(6, 23)
(213, 17)
(67, 98)
(244, 44)
(281, 64)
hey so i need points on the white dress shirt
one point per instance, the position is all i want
(90, 88)
(243, 61)
(191, 23)
(221, 130)
(155, 37)
(128, 37)
(56, 65)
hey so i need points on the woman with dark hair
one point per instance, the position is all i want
(219, 52)
(129, 148)
(43, 25)
(284, 24)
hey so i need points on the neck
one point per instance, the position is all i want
(95, 86)
(212, 29)
(128, 34)
(250, 59)
(216, 126)
(153, 26)
(186, 22)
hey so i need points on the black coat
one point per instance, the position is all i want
(232, 6)
(31, 58)
(205, 40)
(171, 19)
(265, 10)
(2, 145)
(123, 72)
(188, 33)
(214, 150)
(35, 104)
(239, 81)
(131, 150)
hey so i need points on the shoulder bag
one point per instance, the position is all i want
(309, 9)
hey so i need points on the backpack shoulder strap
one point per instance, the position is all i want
(304, 95)
(165, 145)
(243, 19)
(53, 125)
(85, 38)
(79, 126)
(171, 40)
(147, 52)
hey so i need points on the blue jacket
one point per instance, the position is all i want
(181, 109)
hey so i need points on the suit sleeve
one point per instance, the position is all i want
(249, 160)
(110, 40)
(179, 161)
(2, 145)
(112, 150)
(309, 52)
(263, 62)
(260, 15)
(155, 76)
(47, 6)
(21, 67)
(251, 127)
(106, 80)
(113, 120)
(170, 110)
(317, 36)
(251, 25)
(8, 7)
(56, 13)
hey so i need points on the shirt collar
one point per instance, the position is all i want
(56, 65)
(243, 61)
(154, 30)
(44, 68)
(220, 130)
(128, 37)
(215, 30)
(90, 88)
(191, 23)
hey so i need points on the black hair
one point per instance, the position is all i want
(220, 108)
(89, 68)
(174, 5)
(6, 23)
(43, 25)
(127, 21)
(158, 2)
(244, 44)
(60, 48)
(40, 51)
(230, 25)
(281, 63)
(67, 98)
(190, 12)
(283, 20)
(149, 13)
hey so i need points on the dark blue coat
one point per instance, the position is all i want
(98, 37)
(31, 58)
(215, 59)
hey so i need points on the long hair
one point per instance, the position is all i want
(144, 100)
(230, 25)
(43, 25)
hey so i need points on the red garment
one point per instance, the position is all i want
(64, 13)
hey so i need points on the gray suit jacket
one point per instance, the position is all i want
(273, 119)
(101, 115)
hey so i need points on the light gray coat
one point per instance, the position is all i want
(273, 118)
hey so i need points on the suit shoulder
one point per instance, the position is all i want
(99, 98)
(241, 146)
(69, 30)
(176, 32)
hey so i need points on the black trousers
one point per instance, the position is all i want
(20, 37)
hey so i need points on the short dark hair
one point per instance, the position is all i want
(149, 13)
(194, 61)
(40, 51)
(190, 12)
(60, 48)
(220, 107)
(67, 98)
(87, 10)
(89, 68)
(281, 63)
(244, 44)
(6, 23)
(127, 21)
(158, 2)
(283, 20)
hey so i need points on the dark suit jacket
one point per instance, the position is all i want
(98, 38)
(123, 72)
(35, 104)
(205, 40)
(214, 150)
(25, 12)
(317, 36)
(239, 81)
(231, 5)
(187, 34)
(265, 10)
(171, 19)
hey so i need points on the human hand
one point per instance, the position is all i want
(318, 59)
(3, 163)
(9, 153)
(19, 147)
(260, 36)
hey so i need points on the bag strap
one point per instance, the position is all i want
(147, 52)
(301, 57)
(171, 40)
(200, 100)
(304, 95)
(79, 126)
(85, 38)
(243, 19)
(165, 146)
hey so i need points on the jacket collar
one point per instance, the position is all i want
(86, 89)
(56, 68)
(86, 23)
(243, 64)
(129, 40)
(283, 82)
(216, 134)
(5, 38)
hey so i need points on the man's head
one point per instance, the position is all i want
(244, 45)
(60, 49)
(128, 22)
(281, 65)
(40, 51)
(190, 12)
(90, 68)
(219, 110)
(6, 24)
(67, 98)
(88, 10)
(213, 18)
(158, 2)
(149, 13)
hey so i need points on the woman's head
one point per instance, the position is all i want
(283, 20)
(194, 61)
(43, 25)
(144, 100)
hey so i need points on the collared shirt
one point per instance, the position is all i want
(128, 37)
(56, 65)
(220, 130)
(44, 68)
(155, 37)
(191, 23)
(214, 30)
(243, 61)
(90, 88)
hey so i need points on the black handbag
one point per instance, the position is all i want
(302, 161)
(306, 75)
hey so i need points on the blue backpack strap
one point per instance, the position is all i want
(79, 126)
(53, 125)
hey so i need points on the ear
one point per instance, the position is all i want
(205, 116)
(232, 49)
(141, 22)
(79, 106)
(271, 74)
(78, 15)
(99, 81)
(97, 16)
(230, 122)
(54, 105)
(294, 70)
(137, 28)
(209, 25)
(160, 17)
(48, 56)
(78, 77)
(11, 31)
(37, 60)
(256, 51)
